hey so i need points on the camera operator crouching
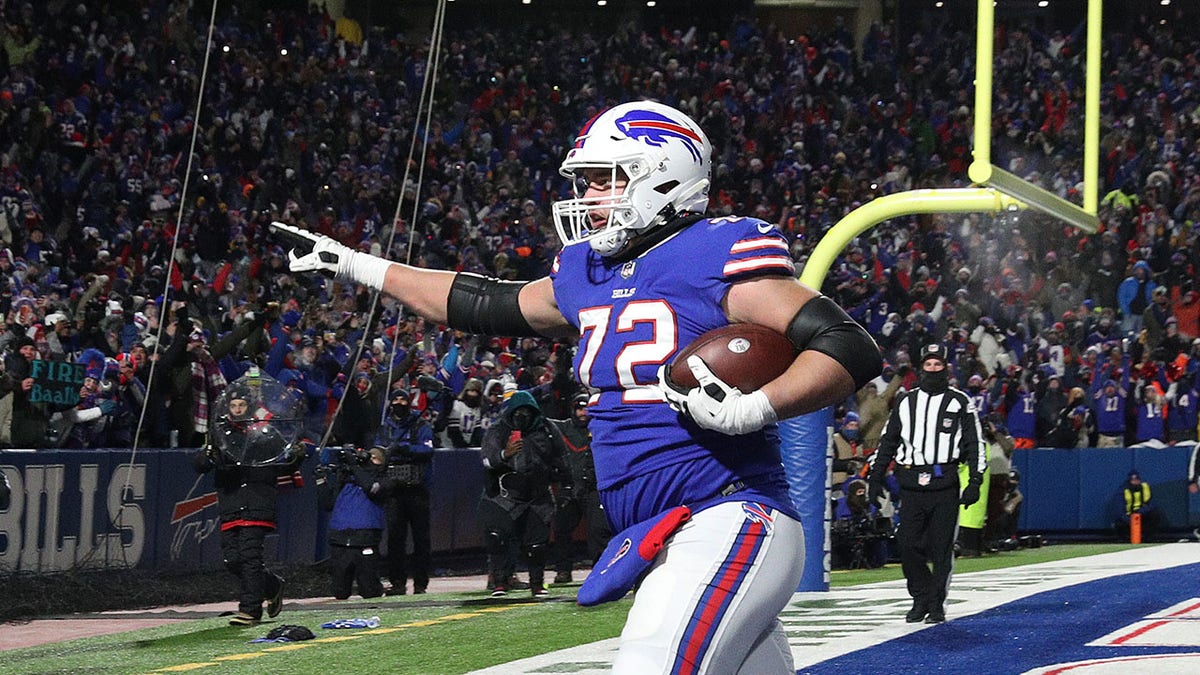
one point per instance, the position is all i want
(354, 485)
(408, 438)
(859, 532)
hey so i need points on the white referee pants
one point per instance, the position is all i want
(711, 602)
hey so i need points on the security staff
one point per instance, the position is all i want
(930, 431)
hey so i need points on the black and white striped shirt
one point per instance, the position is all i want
(925, 429)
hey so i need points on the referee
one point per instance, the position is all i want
(930, 431)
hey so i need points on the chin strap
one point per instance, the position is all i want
(654, 238)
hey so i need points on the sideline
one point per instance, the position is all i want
(19, 634)
(356, 635)
(823, 626)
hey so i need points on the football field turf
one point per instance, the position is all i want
(460, 632)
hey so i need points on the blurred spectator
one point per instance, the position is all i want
(1183, 406)
(467, 422)
(1109, 406)
(94, 168)
(360, 415)
(29, 419)
(1073, 428)
(87, 424)
(873, 409)
(1151, 412)
(1134, 296)
(193, 380)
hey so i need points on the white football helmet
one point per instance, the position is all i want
(663, 154)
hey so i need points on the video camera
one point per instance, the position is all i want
(352, 456)
(863, 527)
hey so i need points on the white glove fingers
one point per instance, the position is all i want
(300, 240)
(675, 397)
(712, 385)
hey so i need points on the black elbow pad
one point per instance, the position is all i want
(823, 326)
(487, 306)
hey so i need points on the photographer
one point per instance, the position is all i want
(408, 437)
(1003, 522)
(859, 531)
(1000, 451)
(353, 484)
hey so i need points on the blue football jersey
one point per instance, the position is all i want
(633, 317)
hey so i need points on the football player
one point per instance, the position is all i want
(641, 274)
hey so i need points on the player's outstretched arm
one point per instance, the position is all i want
(423, 291)
(464, 301)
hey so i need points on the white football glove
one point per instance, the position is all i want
(715, 405)
(315, 252)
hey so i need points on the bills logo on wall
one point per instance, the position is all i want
(70, 515)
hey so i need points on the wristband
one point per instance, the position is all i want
(364, 268)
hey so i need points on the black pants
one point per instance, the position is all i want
(355, 563)
(242, 549)
(928, 521)
(408, 512)
(527, 523)
(567, 514)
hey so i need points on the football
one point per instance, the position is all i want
(743, 355)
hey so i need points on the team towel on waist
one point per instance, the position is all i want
(628, 555)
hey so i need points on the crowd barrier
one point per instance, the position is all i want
(95, 508)
(74, 509)
(1079, 490)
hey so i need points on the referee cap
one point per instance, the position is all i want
(933, 351)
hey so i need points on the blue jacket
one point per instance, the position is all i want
(358, 516)
(354, 510)
(1128, 289)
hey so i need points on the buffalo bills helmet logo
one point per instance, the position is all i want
(624, 548)
(655, 129)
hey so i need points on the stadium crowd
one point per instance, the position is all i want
(1065, 339)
